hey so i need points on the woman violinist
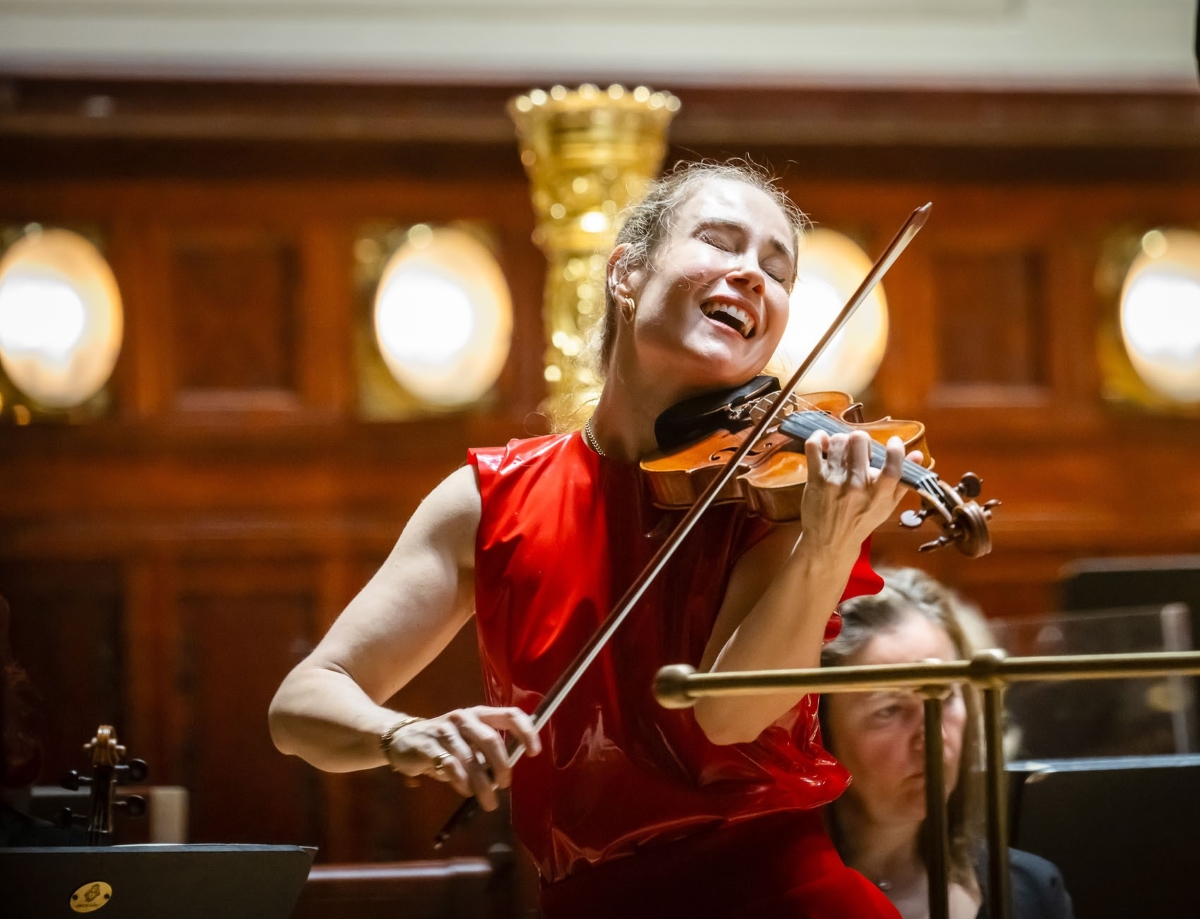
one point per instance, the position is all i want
(625, 806)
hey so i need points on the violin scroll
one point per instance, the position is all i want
(107, 772)
(963, 521)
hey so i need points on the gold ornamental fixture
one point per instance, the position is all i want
(588, 152)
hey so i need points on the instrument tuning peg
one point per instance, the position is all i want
(73, 780)
(935, 544)
(913, 519)
(970, 486)
(133, 805)
(135, 770)
(988, 505)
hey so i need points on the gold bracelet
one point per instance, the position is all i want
(385, 739)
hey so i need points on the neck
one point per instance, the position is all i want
(630, 404)
(883, 852)
(623, 423)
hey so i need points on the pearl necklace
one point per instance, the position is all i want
(590, 437)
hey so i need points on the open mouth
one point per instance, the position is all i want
(733, 316)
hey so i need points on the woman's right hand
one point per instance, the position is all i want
(464, 748)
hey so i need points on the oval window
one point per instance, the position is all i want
(60, 318)
(1160, 313)
(830, 268)
(443, 317)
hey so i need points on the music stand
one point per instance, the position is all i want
(1124, 831)
(149, 881)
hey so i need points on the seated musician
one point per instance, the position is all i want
(625, 807)
(879, 737)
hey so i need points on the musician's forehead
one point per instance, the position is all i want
(720, 200)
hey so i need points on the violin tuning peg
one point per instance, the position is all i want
(913, 519)
(133, 805)
(73, 780)
(988, 505)
(135, 770)
(969, 486)
(935, 544)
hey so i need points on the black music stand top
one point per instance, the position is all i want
(149, 881)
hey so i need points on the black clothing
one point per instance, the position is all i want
(1038, 891)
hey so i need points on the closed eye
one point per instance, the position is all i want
(776, 276)
(716, 241)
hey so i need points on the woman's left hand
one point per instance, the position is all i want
(846, 499)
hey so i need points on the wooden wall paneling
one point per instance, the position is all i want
(234, 291)
(156, 717)
(242, 621)
(525, 270)
(1072, 319)
(142, 271)
(1000, 341)
(907, 371)
(988, 279)
(324, 378)
(66, 634)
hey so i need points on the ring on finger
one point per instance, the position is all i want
(439, 763)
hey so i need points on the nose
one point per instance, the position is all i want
(745, 272)
(917, 739)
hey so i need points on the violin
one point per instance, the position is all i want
(770, 477)
(107, 772)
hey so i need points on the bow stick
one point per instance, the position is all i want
(565, 683)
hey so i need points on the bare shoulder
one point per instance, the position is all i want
(448, 519)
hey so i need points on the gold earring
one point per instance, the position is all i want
(628, 308)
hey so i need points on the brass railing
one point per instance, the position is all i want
(680, 686)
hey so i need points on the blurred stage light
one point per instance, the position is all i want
(831, 267)
(443, 317)
(60, 318)
(1160, 313)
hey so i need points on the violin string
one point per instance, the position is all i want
(808, 422)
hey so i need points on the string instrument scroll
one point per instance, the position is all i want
(107, 772)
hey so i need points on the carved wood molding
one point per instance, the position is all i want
(475, 115)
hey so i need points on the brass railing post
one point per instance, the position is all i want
(938, 841)
(999, 897)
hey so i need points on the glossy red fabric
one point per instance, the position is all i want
(562, 534)
(779, 866)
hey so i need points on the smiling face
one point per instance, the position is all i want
(713, 302)
(879, 736)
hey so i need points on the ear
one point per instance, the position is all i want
(623, 280)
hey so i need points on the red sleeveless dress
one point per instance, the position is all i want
(563, 532)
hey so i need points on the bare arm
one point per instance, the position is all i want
(329, 709)
(783, 590)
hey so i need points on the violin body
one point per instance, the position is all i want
(771, 477)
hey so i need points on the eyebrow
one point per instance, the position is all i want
(729, 224)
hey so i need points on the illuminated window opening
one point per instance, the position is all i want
(831, 266)
(60, 318)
